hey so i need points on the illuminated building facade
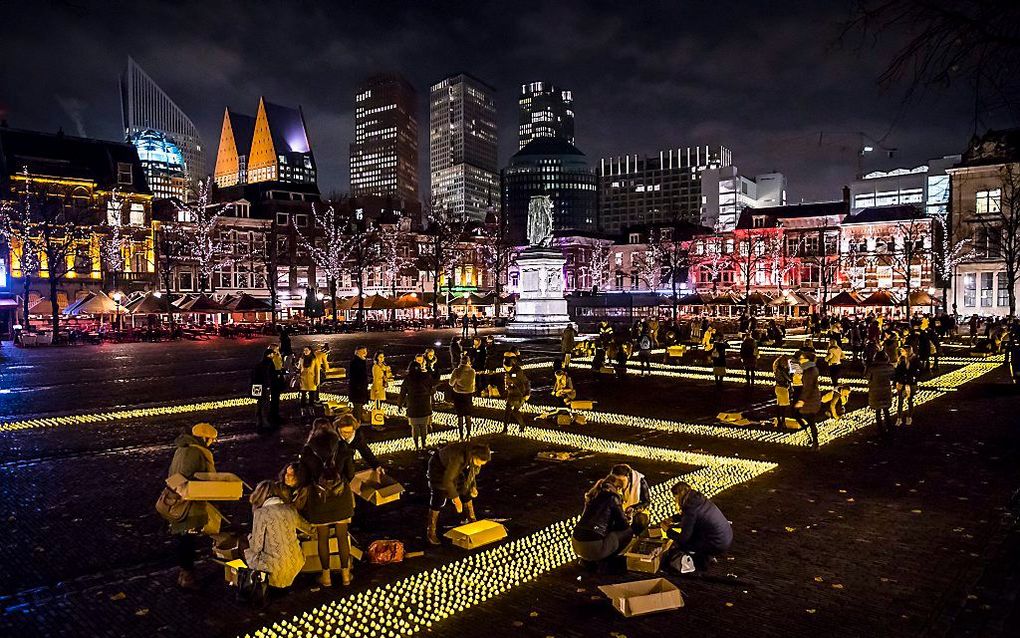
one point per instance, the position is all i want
(725, 192)
(81, 175)
(144, 106)
(278, 149)
(384, 154)
(554, 167)
(163, 163)
(636, 190)
(545, 111)
(462, 145)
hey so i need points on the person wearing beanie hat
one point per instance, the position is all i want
(191, 456)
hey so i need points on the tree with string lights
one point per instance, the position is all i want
(444, 231)
(16, 231)
(328, 249)
(205, 243)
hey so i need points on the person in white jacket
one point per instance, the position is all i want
(273, 545)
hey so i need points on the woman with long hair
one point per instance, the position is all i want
(309, 366)
(273, 545)
(462, 383)
(382, 374)
(699, 528)
(329, 468)
(603, 530)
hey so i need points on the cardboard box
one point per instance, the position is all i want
(474, 535)
(563, 419)
(230, 570)
(644, 554)
(582, 405)
(208, 486)
(310, 549)
(385, 490)
(729, 417)
(676, 351)
(643, 596)
(334, 409)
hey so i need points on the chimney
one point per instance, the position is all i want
(846, 194)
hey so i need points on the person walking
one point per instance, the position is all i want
(517, 390)
(834, 359)
(474, 323)
(273, 545)
(263, 377)
(192, 454)
(452, 475)
(382, 374)
(699, 529)
(718, 355)
(567, 339)
(809, 403)
(603, 530)
(749, 358)
(308, 380)
(330, 503)
(358, 382)
(644, 343)
(907, 372)
(276, 389)
(464, 323)
(416, 397)
(783, 383)
(286, 351)
(456, 349)
(462, 384)
(880, 379)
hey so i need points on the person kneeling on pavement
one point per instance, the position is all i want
(273, 545)
(636, 496)
(452, 474)
(563, 387)
(699, 529)
(603, 530)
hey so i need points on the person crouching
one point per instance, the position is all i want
(698, 529)
(603, 530)
(452, 475)
(273, 545)
(636, 496)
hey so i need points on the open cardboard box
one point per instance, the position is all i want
(643, 596)
(207, 486)
(476, 534)
(644, 554)
(230, 570)
(310, 549)
(377, 492)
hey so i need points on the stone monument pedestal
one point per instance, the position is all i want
(541, 310)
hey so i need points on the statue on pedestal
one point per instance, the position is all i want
(540, 221)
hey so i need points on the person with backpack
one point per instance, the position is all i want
(329, 468)
(462, 385)
(191, 456)
(452, 475)
(645, 352)
(273, 545)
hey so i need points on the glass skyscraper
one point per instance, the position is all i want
(384, 153)
(545, 111)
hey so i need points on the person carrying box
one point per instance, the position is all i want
(191, 456)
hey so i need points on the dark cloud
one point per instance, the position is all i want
(646, 75)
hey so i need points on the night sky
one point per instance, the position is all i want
(762, 78)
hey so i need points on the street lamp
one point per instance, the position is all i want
(117, 296)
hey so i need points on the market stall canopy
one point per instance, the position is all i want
(151, 304)
(845, 299)
(184, 300)
(410, 300)
(881, 298)
(99, 303)
(725, 299)
(378, 302)
(921, 298)
(203, 304)
(790, 299)
(757, 298)
(248, 303)
(694, 299)
(43, 306)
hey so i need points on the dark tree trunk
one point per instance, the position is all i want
(53, 306)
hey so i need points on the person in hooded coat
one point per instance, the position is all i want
(416, 397)
(603, 531)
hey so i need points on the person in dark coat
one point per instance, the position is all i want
(263, 376)
(329, 468)
(349, 432)
(603, 531)
(809, 402)
(456, 349)
(517, 390)
(908, 369)
(416, 396)
(452, 475)
(719, 359)
(749, 358)
(462, 389)
(880, 380)
(192, 454)
(699, 529)
(464, 325)
(285, 348)
(358, 382)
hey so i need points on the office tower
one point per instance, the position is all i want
(144, 106)
(556, 168)
(163, 164)
(384, 154)
(545, 111)
(271, 147)
(725, 192)
(462, 145)
(635, 190)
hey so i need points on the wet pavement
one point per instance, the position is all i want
(907, 539)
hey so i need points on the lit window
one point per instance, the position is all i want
(988, 201)
(137, 214)
(125, 176)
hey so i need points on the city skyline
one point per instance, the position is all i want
(795, 104)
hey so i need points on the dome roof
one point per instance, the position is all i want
(154, 146)
(548, 146)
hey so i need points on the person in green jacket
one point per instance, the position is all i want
(192, 455)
